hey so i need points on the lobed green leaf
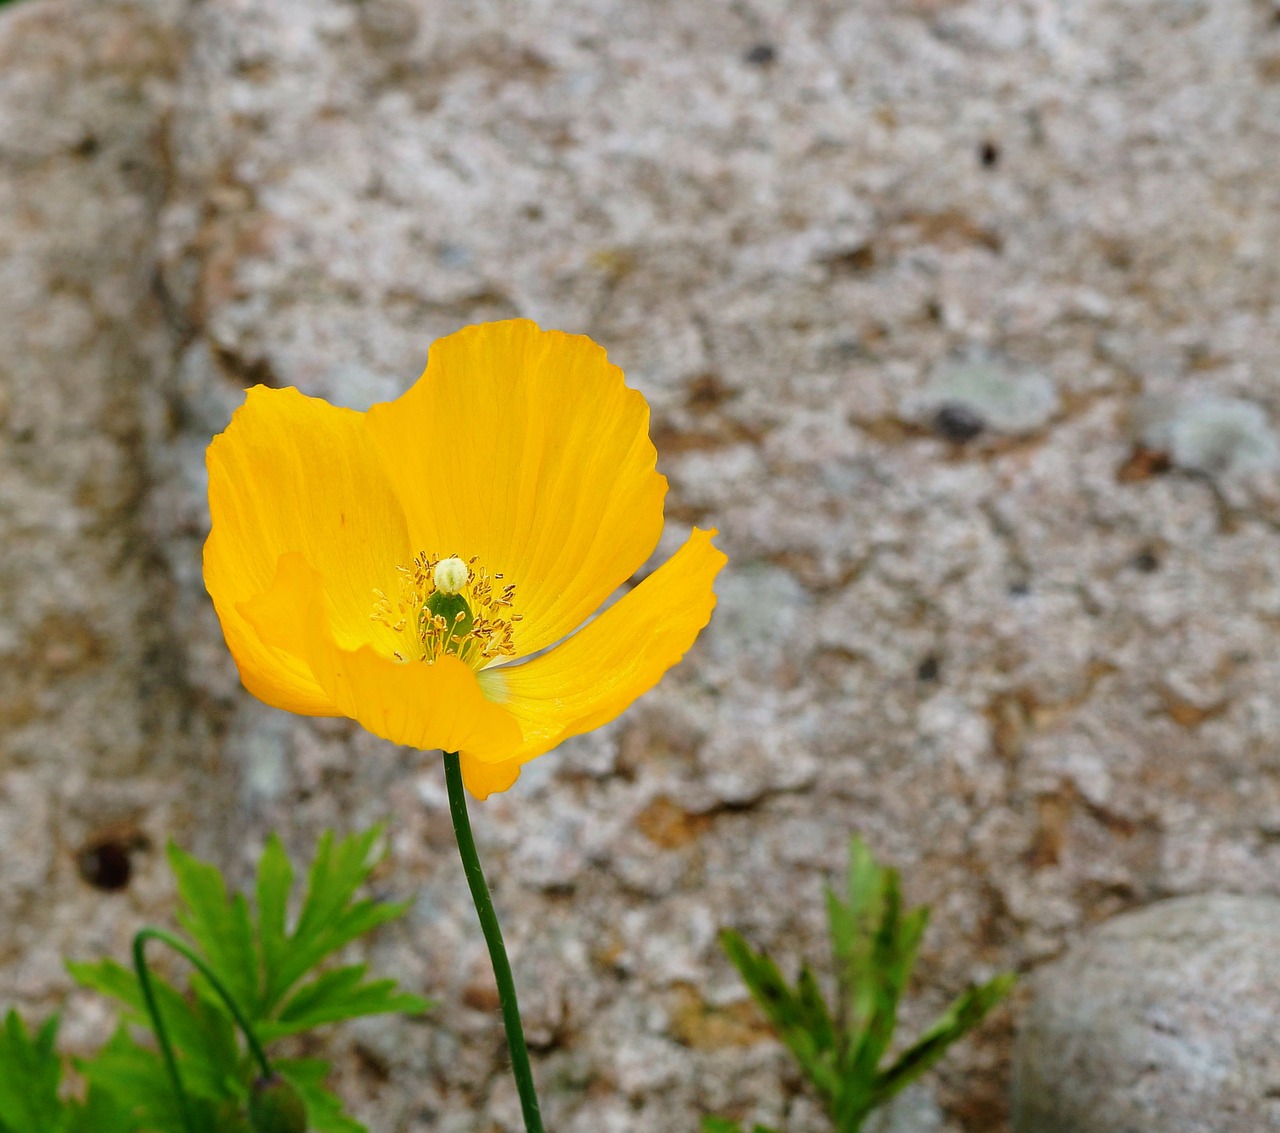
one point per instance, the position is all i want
(265, 968)
(329, 919)
(724, 1125)
(957, 1021)
(787, 1010)
(875, 943)
(30, 1072)
(338, 995)
(275, 883)
(201, 1031)
(218, 924)
(324, 1110)
(100, 1112)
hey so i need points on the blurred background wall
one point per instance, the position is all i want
(959, 318)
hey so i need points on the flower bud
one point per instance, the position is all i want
(276, 1107)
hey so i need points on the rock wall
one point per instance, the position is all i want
(959, 319)
(100, 736)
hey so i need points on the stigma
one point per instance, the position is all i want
(449, 606)
(450, 575)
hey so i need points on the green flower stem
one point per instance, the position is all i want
(157, 1020)
(493, 938)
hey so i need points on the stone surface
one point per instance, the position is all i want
(986, 390)
(1159, 1019)
(1034, 668)
(100, 740)
(1222, 437)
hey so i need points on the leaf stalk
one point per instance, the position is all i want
(161, 1028)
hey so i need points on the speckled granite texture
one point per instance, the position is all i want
(946, 311)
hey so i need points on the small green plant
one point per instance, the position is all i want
(254, 981)
(840, 1050)
(30, 1077)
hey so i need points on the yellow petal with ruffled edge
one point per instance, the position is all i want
(295, 474)
(484, 779)
(593, 676)
(437, 705)
(524, 448)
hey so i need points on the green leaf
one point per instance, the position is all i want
(893, 957)
(789, 1011)
(269, 972)
(275, 883)
(324, 1111)
(111, 979)
(219, 925)
(136, 1079)
(329, 920)
(99, 1113)
(854, 922)
(957, 1021)
(875, 944)
(338, 995)
(29, 1075)
(815, 1017)
(200, 1029)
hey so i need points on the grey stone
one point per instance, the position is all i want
(1164, 1018)
(915, 1110)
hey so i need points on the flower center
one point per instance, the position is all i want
(446, 605)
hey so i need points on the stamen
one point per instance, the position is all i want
(450, 606)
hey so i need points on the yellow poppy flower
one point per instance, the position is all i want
(397, 566)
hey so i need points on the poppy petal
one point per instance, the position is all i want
(594, 675)
(438, 705)
(484, 779)
(295, 474)
(525, 448)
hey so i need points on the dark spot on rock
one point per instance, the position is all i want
(957, 423)
(666, 824)
(86, 146)
(107, 864)
(371, 1064)
(933, 311)
(989, 154)
(847, 349)
(762, 55)
(852, 261)
(1143, 464)
(707, 392)
(1146, 560)
(246, 370)
(481, 995)
(1019, 589)
(951, 229)
(1269, 68)
(928, 669)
